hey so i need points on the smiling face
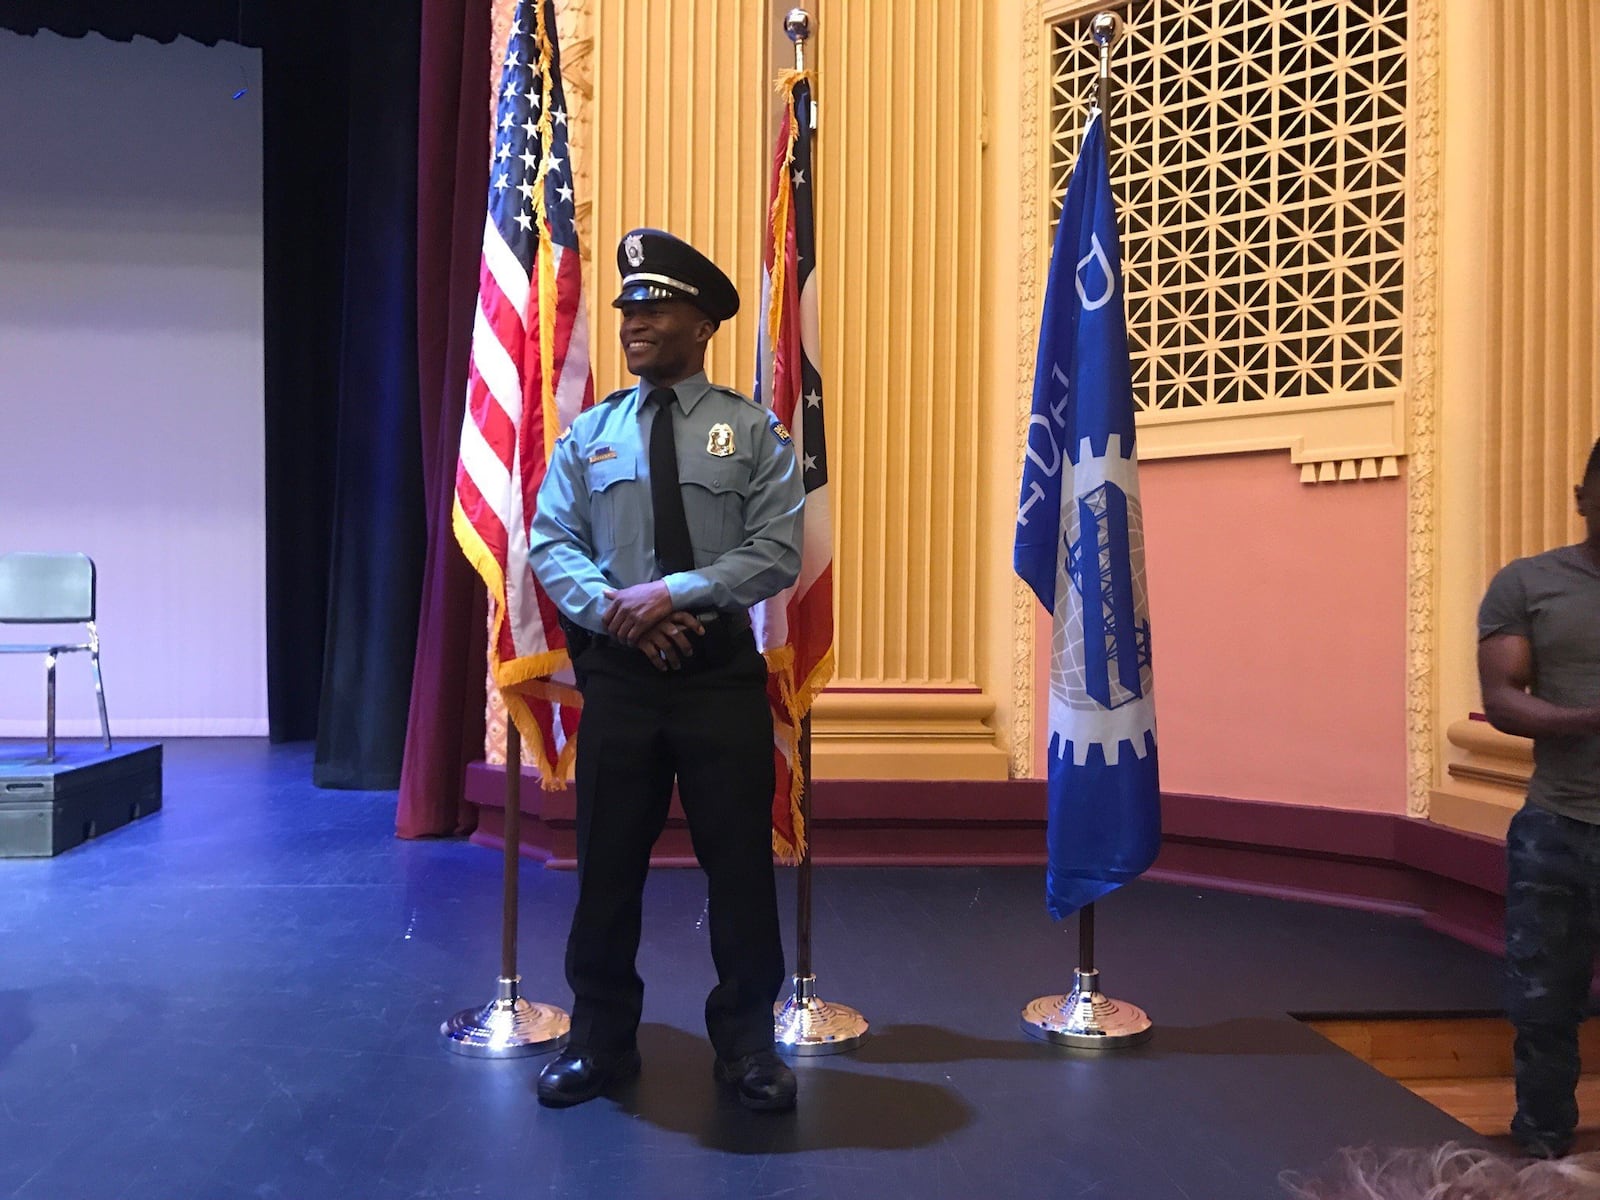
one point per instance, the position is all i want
(664, 341)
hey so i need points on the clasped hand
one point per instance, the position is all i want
(643, 616)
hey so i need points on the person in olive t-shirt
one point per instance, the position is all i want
(1539, 665)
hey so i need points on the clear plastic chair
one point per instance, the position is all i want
(53, 589)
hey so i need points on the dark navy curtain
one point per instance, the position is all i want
(345, 529)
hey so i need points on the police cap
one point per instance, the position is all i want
(657, 266)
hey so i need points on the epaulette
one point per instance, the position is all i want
(616, 395)
(737, 395)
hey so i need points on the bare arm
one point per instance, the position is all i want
(1505, 671)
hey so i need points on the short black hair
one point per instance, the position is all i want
(1591, 473)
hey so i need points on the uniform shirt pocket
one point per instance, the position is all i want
(614, 501)
(714, 493)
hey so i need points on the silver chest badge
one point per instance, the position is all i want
(633, 247)
(720, 443)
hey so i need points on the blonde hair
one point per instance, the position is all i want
(1450, 1172)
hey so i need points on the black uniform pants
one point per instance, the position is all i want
(1552, 933)
(708, 726)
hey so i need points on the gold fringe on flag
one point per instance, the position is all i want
(796, 699)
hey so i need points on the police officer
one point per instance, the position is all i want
(668, 510)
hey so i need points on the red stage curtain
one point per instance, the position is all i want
(445, 727)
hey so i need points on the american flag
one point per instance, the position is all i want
(529, 378)
(796, 626)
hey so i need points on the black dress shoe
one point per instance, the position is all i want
(765, 1082)
(576, 1076)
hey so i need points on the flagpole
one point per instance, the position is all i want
(805, 1024)
(1084, 1017)
(508, 1026)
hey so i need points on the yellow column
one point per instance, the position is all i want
(1520, 353)
(903, 226)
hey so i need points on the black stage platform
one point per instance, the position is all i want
(47, 807)
(240, 1001)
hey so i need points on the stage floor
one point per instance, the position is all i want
(239, 999)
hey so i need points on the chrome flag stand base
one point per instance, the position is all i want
(1085, 1018)
(805, 1025)
(507, 1027)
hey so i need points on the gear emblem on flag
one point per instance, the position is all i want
(1101, 685)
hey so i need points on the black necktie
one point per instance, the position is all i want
(674, 551)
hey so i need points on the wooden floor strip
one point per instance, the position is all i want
(1462, 1066)
(1485, 1105)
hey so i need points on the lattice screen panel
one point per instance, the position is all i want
(1259, 153)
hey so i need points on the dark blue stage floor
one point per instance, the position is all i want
(238, 998)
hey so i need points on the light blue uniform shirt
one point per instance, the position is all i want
(742, 493)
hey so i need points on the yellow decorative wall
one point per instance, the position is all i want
(937, 125)
(676, 131)
(1521, 354)
(903, 231)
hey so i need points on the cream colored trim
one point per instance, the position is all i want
(912, 713)
(1030, 299)
(575, 24)
(1350, 470)
(1487, 784)
(1491, 756)
(1422, 352)
(905, 734)
(1363, 425)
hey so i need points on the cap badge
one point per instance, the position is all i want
(633, 247)
(720, 443)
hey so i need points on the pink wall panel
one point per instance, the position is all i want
(1279, 623)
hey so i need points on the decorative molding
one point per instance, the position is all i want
(1265, 217)
(1492, 757)
(1423, 375)
(1350, 470)
(575, 27)
(1338, 429)
(1030, 300)
(906, 733)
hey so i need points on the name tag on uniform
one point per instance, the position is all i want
(720, 442)
(604, 454)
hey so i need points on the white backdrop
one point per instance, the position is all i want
(131, 372)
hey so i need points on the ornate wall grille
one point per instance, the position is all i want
(1259, 153)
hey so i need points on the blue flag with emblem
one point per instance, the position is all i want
(1080, 547)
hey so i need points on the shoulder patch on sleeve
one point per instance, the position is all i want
(779, 430)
